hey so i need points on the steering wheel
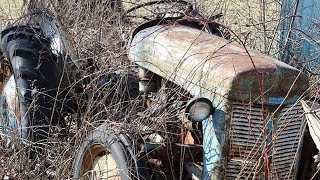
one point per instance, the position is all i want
(188, 7)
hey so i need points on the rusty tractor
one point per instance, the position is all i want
(210, 108)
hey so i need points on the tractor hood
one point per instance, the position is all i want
(208, 65)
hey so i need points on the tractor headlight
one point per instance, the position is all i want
(199, 109)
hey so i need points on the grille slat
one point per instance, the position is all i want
(253, 124)
(290, 124)
(256, 122)
(287, 145)
(240, 169)
(290, 127)
(247, 143)
(246, 130)
(246, 113)
(282, 158)
(286, 137)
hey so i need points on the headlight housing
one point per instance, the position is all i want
(199, 109)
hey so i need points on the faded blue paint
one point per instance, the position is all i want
(12, 121)
(212, 146)
(305, 34)
(277, 100)
(8, 119)
(213, 142)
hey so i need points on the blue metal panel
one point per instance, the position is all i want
(213, 145)
(299, 33)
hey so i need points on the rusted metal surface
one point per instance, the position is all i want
(89, 157)
(105, 167)
(206, 64)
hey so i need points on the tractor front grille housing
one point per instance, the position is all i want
(264, 141)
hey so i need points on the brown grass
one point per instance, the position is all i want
(9, 11)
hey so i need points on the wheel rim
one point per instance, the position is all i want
(98, 163)
(105, 167)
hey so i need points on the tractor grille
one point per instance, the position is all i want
(260, 144)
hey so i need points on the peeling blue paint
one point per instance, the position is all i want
(213, 143)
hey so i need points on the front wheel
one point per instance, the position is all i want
(106, 154)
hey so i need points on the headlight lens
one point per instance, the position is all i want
(199, 109)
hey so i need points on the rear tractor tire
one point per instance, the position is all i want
(36, 72)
